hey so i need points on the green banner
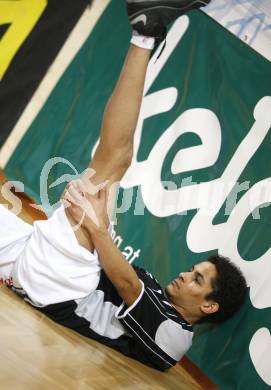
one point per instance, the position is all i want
(199, 182)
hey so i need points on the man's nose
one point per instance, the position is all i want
(182, 276)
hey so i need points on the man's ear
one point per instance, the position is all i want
(209, 307)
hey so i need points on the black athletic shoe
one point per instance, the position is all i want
(150, 18)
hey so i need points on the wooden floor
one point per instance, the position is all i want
(39, 354)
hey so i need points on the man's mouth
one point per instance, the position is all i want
(176, 283)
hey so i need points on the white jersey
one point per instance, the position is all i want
(151, 330)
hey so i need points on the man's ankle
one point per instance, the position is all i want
(142, 41)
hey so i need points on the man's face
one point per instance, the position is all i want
(190, 289)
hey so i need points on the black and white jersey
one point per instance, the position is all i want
(150, 330)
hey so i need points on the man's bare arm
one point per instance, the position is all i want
(118, 270)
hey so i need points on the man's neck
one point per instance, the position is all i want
(188, 317)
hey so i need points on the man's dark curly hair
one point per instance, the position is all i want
(229, 289)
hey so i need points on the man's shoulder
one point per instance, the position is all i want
(147, 278)
(159, 301)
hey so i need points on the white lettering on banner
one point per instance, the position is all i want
(260, 352)
(202, 235)
(206, 197)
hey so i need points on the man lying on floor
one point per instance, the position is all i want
(78, 277)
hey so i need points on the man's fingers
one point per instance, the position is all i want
(77, 199)
(102, 185)
(76, 195)
(65, 202)
(67, 196)
(89, 203)
(92, 189)
(80, 186)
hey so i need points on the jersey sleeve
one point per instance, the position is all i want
(159, 341)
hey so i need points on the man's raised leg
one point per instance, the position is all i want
(149, 20)
(114, 152)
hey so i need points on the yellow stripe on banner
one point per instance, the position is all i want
(22, 16)
(74, 42)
